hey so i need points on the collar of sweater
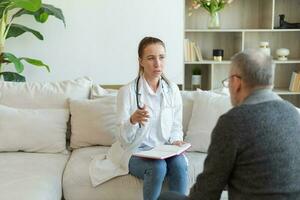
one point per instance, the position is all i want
(261, 95)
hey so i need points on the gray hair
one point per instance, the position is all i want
(256, 67)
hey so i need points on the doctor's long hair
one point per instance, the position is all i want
(146, 41)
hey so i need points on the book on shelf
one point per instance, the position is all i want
(163, 151)
(192, 51)
(295, 82)
(198, 52)
(186, 50)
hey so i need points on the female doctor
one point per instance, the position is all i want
(150, 114)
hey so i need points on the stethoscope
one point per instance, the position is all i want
(138, 95)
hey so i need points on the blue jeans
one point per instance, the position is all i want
(172, 196)
(153, 172)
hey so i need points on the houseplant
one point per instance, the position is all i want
(212, 7)
(9, 11)
(196, 77)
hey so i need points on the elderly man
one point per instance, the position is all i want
(255, 147)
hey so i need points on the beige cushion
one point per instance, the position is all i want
(207, 108)
(93, 122)
(77, 184)
(38, 130)
(31, 176)
(187, 107)
(44, 95)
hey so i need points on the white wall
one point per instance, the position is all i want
(101, 39)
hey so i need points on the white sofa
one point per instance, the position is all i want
(32, 171)
(33, 151)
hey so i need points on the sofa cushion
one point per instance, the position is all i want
(187, 107)
(207, 108)
(33, 130)
(44, 95)
(93, 122)
(77, 184)
(31, 176)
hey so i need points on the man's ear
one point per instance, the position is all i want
(237, 85)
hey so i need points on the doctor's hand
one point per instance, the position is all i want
(140, 116)
(178, 143)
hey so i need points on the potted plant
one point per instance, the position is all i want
(9, 11)
(196, 77)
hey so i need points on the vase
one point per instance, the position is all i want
(214, 20)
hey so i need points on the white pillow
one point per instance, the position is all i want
(207, 108)
(93, 122)
(44, 95)
(187, 108)
(39, 130)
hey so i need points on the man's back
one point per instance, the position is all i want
(255, 150)
(267, 162)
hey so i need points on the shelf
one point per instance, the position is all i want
(240, 30)
(290, 9)
(205, 74)
(276, 39)
(230, 42)
(284, 91)
(243, 25)
(285, 30)
(228, 62)
(238, 15)
(208, 62)
(287, 61)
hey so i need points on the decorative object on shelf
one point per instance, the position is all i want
(282, 53)
(213, 7)
(264, 46)
(213, 20)
(9, 11)
(284, 24)
(218, 54)
(196, 78)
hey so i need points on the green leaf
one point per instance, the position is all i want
(12, 76)
(42, 17)
(3, 6)
(36, 62)
(17, 29)
(16, 61)
(30, 5)
(56, 12)
(42, 14)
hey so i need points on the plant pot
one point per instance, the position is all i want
(196, 81)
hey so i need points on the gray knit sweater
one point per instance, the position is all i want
(255, 150)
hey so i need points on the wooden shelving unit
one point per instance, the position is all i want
(242, 29)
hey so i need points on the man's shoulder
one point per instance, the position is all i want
(265, 104)
(274, 107)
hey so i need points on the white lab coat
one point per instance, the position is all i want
(130, 137)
